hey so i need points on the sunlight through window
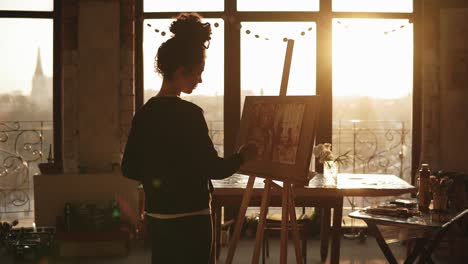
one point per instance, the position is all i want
(372, 57)
(403, 6)
(372, 94)
(182, 5)
(263, 49)
(278, 5)
(26, 107)
(27, 5)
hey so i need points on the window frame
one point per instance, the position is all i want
(56, 16)
(323, 19)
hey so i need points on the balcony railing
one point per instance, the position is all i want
(381, 147)
(376, 147)
(22, 146)
(216, 129)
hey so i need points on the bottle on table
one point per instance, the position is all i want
(424, 198)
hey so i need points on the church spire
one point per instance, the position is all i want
(38, 71)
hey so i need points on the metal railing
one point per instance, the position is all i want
(216, 131)
(22, 146)
(380, 147)
(376, 147)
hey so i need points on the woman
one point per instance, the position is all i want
(170, 152)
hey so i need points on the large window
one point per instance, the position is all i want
(372, 94)
(357, 55)
(263, 52)
(27, 72)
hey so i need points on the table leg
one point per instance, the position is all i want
(433, 242)
(336, 233)
(382, 244)
(324, 233)
(416, 250)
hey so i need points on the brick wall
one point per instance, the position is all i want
(96, 116)
(444, 111)
(70, 84)
(127, 69)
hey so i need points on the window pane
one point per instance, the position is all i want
(209, 94)
(27, 5)
(372, 98)
(372, 94)
(404, 6)
(25, 108)
(278, 5)
(182, 5)
(263, 50)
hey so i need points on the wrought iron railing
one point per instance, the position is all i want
(21, 150)
(216, 129)
(381, 147)
(376, 147)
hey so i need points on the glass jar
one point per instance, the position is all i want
(330, 173)
(424, 198)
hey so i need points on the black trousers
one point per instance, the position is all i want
(184, 240)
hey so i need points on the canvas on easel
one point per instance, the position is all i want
(283, 129)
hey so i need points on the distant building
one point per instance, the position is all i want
(41, 90)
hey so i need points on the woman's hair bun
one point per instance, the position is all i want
(188, 27)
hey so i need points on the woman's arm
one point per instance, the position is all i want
(203, 156)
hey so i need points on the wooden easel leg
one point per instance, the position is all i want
(284, 224)
(240, 219)
(295, 231)
(262, 221)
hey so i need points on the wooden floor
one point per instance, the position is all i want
(352, 252)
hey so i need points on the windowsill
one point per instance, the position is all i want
(50, 168)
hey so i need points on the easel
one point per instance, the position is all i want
(288, 206)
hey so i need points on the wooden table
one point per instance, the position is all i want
(431, 226)
(317, 193)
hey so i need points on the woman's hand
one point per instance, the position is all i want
(248, 152)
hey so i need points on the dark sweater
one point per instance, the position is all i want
(170, 152)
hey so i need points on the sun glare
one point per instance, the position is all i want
(372, 57)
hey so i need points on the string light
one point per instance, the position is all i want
(285, 39)
(163, 33)
(387, 32)
(248, 32)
